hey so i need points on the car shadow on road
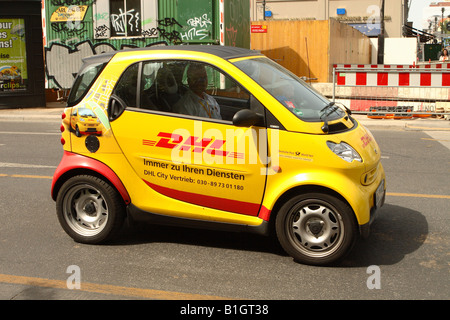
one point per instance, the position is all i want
(148, 233)
(396, 232)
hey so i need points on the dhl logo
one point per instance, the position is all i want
(366, 139)
(195, 144)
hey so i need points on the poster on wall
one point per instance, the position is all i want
(13, 60)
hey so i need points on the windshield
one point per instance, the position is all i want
(83, 112)
(292, 92)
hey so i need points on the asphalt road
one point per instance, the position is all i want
(406, 257)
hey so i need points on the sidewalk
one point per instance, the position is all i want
(54, 110)
(414, 124)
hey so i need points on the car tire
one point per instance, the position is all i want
(316, 228)
(89, 209)
(77, 132)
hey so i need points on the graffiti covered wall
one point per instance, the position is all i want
(237, 23)
(75, 29)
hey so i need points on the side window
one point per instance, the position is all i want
(126, 87)
(83, 82)
(188, 88)
(230, 96)
(161, 86)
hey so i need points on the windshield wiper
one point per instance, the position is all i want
(333, 108)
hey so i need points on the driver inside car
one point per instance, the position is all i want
(196, 101)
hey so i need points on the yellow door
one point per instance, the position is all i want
(196, 159)
(203, 163)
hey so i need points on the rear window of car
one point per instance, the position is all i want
(83, 82)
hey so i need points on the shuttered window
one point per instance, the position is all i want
(124, 18)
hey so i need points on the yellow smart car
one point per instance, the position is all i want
(216, 137)
(84, 121)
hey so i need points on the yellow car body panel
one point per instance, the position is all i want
(304, 161)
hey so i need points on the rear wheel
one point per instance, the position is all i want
(316, 228)
(89, 209)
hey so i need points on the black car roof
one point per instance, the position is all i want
(224, 52)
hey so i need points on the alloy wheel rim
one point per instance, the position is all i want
(316, 229)
(85, 210)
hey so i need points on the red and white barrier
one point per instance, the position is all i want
(433, 76)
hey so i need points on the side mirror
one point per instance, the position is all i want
(115, 107)
(247, 118)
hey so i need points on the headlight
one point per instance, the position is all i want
(344, 151)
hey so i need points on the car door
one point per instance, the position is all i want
(190, 159)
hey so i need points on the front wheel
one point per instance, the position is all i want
(316, 228)
(89, 209)
(77, 132)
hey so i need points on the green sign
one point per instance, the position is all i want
(13, 59)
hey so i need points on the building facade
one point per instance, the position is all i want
(361, 14)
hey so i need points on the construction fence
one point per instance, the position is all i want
(394, 91)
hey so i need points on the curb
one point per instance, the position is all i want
(31, 114)
(417, 124)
